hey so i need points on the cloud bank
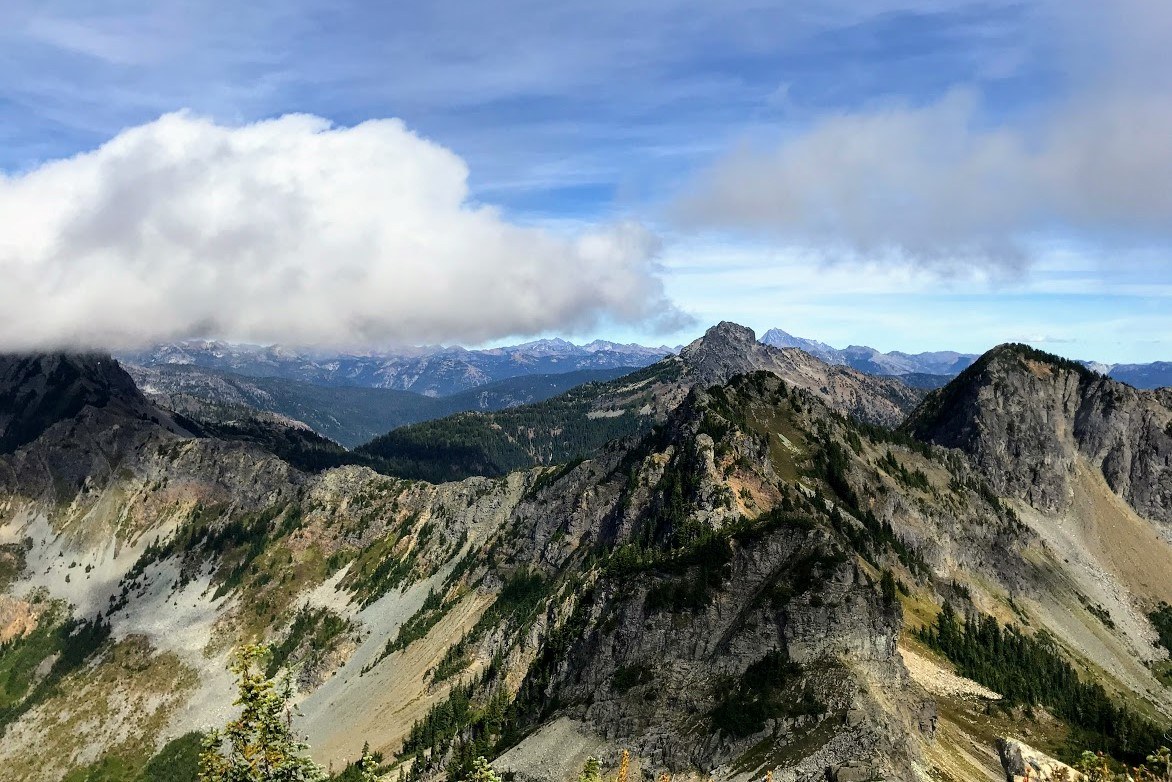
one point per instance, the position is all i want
(959, 181)
(936, 185)
(295, 231)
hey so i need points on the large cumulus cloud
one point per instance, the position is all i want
(291, 230)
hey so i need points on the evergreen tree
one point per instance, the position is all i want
(482, 772)
(592, 771)
(259, 746)
(367, 766)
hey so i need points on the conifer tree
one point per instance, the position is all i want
(259, 746)
(367, 766)
(592, 771)
(482, 772)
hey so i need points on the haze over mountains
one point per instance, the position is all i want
(734, 560)
(440, 371)
(350, 415)
(432, 371)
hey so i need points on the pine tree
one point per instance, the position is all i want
(367, 766)
(260, 745)
(592, 771)
(482, 772)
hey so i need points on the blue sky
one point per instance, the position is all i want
(911, 175)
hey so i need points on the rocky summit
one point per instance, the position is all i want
(736, 562)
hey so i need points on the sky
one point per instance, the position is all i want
(909, 175)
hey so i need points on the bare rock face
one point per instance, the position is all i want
(725, 657)
(1025, 417)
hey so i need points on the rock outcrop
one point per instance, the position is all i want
(728, 349)
(1023, 763)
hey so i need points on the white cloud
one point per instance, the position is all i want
(292, 230)
(958, 182)
(938, 186)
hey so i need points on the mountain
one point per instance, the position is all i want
(576, 424)
(1158, 374)
(935, 369)
(1034, 422)
(819, 350)
(350, 415)
(758, 578)
(946, 363)
(432, 371)
(39, 391)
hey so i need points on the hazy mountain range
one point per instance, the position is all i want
(353, 399)
(350, 415)
(440, 371)
(431, 371)
(871, 361)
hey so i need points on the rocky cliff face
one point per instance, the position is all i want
(1026, 417)
(734, 621)
(38, 391)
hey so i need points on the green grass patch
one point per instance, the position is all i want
(73, 641)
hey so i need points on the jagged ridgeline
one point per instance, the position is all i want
(729, 563)
(574, 425)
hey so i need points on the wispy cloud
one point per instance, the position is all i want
(624, 95)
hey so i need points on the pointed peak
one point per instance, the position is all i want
(729, 332)
(725, 350)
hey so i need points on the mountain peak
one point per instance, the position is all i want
(726, 333)
(1032, 420)
(39, 389)
(1012, 356)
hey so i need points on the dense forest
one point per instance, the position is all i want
(1031, 671)
(555, 431)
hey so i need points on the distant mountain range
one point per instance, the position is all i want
(1157, 374)
(349, 415)
(437, 371)
(934, 369)
(429, 370)
(865, 359)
